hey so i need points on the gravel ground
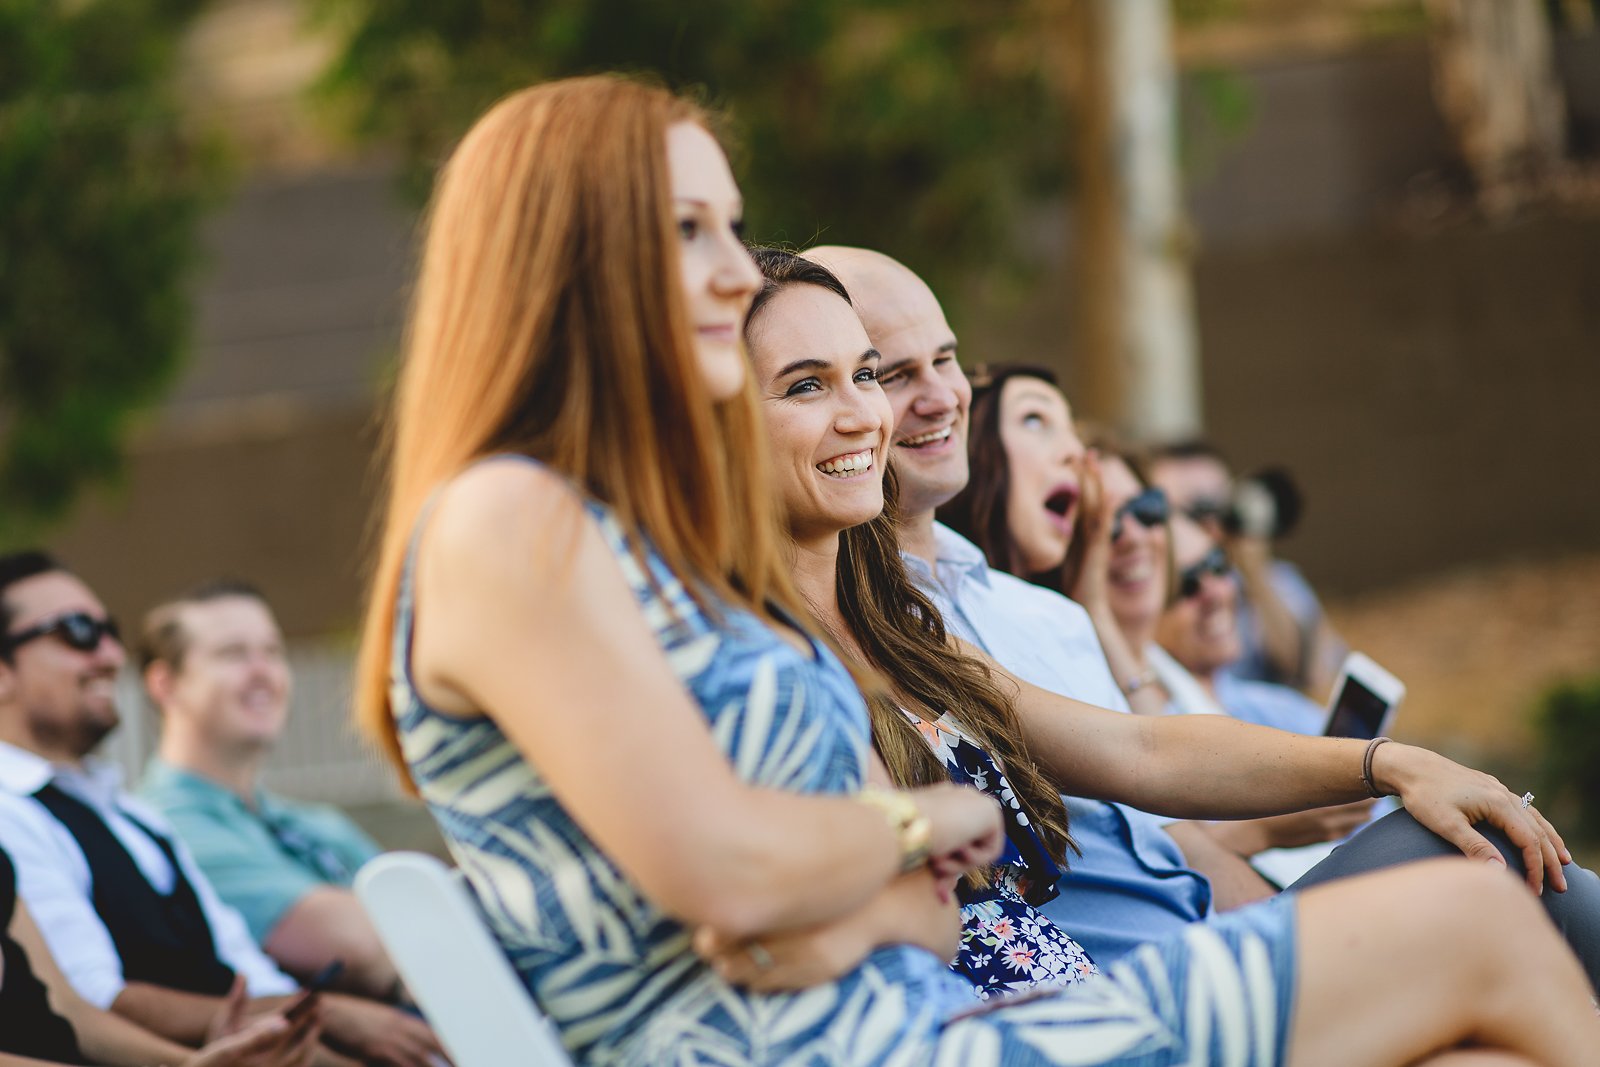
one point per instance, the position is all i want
(1476, 648)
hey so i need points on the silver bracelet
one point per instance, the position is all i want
(1138, 682)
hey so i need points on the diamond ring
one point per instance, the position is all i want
(759, 956)
(1527, 800)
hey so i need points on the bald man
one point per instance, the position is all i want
(1138, 879)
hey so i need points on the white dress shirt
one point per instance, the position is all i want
(1035, 633)
(53, 875)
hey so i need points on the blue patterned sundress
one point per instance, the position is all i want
(1006, 946)
(618, 979)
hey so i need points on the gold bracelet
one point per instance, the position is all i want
(911, 828)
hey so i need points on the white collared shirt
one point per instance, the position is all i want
(1036, 634)
(53, 876)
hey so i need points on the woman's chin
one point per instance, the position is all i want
(1042, 558)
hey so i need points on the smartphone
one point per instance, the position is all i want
(1365, 697)
(308, 992)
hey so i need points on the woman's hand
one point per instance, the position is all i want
(966, 828)
(915, 908)
(1450, 800)
(1096, 519)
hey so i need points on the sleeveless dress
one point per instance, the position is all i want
(1006, 946)
(618, 979)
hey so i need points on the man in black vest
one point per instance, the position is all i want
(127, 914)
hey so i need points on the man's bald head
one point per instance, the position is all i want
(919, 373)
(887, 294)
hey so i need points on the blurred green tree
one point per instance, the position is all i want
(102, 187)
(924, 128)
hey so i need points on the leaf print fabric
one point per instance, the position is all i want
(618, 979)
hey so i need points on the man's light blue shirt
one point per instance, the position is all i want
(1269, 704)
(1131, 885)
(261, 858)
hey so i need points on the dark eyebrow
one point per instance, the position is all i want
(822, 364)
(948, 346)
(895, 367)
(801, 364)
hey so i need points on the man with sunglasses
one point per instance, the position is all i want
(1285, 636)
(1199, 634)
(1197, 640)
(130, 919)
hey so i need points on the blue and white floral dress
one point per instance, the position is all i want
(1006, 946)
(619, 980)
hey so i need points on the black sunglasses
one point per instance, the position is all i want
(1214, 563)
(77, 630)
(1149, 508)
(1206, 508)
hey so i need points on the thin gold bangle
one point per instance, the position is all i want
(912, 830)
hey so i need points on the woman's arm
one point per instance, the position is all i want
(1091, 590)
(107, 1038)
(914, 909)
(1213, 767)
(523, 614)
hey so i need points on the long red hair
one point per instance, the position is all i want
(548, 319)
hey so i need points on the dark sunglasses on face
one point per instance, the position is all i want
(1149, 508)
(77, 630)
(1205, 509)
(1192, 578)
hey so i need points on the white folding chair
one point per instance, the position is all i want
(459, 977)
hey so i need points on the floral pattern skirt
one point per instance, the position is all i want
(1008, 947)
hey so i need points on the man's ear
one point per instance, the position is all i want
(158, 682)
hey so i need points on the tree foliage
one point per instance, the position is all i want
(1567, 725)
(101, 190)
(924, 128)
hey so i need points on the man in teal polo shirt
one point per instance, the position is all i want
(214, 666)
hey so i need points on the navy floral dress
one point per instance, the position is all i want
(1006, 946)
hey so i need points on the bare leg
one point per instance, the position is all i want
(1406, 964)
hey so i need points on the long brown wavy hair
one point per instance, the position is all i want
(548, 320)
(908, 651)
